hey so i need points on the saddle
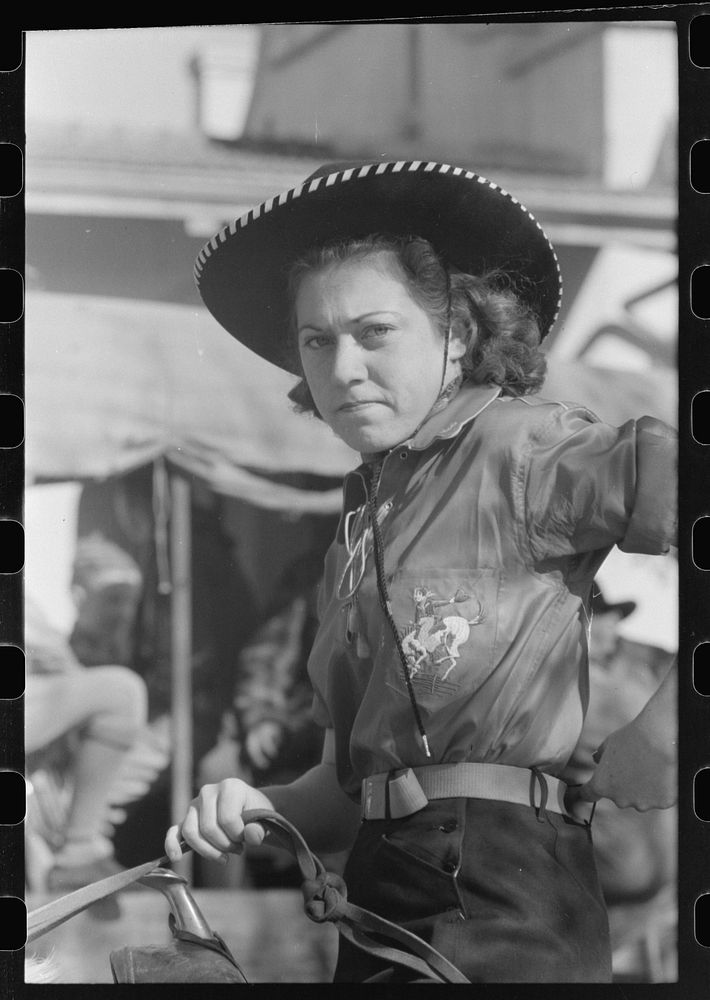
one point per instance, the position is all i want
(198, 954)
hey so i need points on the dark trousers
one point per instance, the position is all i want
(507, 893)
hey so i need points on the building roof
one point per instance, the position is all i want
(160, 174)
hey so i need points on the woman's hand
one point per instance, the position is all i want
(636, 767)
(637, 764)
(213, 823)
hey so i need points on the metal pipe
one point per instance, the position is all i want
(181, 655)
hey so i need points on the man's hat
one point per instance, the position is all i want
(100, 563)
(600, 606)
(472, 223)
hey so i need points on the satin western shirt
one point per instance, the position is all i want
(495, 518)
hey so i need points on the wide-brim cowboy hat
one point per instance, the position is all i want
(472, 223)
(600, 605)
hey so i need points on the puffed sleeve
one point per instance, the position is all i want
(590, 486)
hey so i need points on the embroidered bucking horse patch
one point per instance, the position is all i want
(432, 641)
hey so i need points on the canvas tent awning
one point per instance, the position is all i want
(113, 384)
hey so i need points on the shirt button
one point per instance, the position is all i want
(404, 455)
(450, 866)
(449, 826)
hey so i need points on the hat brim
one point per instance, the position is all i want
(621, 608)
(625, 608)
(472, 223)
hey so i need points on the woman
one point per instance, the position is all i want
(449, 670)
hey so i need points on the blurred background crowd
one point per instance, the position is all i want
(177, 512)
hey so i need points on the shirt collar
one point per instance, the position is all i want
(468, 402)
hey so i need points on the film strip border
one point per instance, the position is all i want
(694, 491)
(693, 23)
(13, 918)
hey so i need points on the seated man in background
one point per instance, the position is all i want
(106, 588)
(101, 712)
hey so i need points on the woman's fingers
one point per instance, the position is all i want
(172, 843)
(209, 818)
(190, 829)
(199, 827)
(213, 823)
(254, 833)
(228, 814)
(229, 808)
(585, 793)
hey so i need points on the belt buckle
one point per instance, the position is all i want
(373, 796)
(392, 795)
(406, 795)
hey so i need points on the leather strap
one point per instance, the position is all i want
(325, 897)
(46, 918)
(400, 793)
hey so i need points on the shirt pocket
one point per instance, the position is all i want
(447, 621)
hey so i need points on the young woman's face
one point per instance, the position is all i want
(371, 355)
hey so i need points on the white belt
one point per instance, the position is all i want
(394, 794)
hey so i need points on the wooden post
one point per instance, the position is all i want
(181, 655)
(412, 124)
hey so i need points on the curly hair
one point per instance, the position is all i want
(501, 332)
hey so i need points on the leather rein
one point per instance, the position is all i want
(325, 900)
